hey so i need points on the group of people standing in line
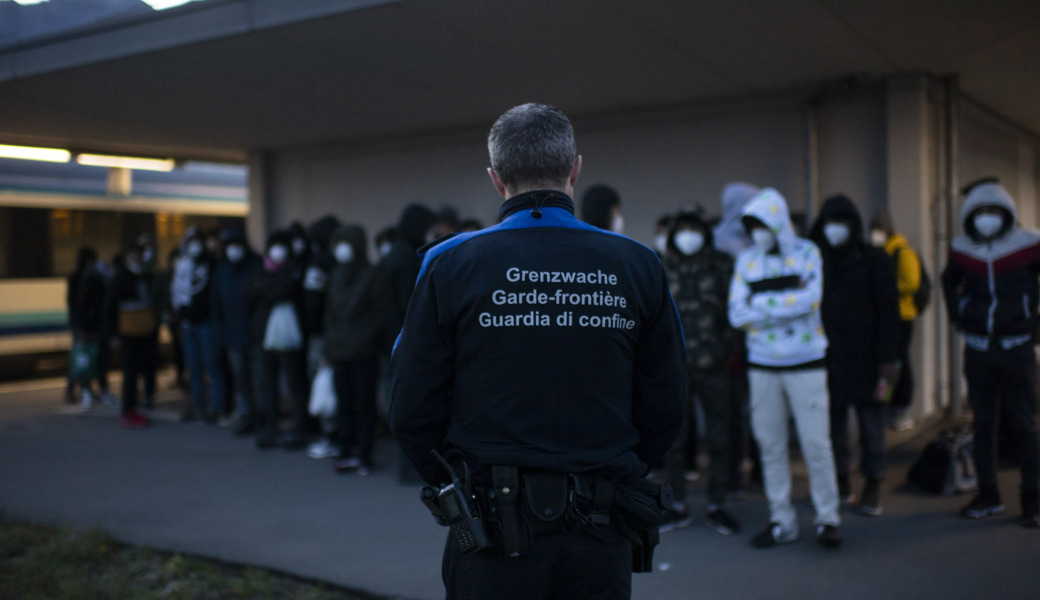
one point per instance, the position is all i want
(818, 327)
(252, 329)
(760, 308)
(777, 327)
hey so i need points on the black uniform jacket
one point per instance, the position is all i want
(540, 342)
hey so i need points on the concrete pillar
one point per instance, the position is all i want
(258, 219)
(913, 197)
(1025, 186)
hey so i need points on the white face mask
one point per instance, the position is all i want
(763, 239)
(344, 253)
(689, 242)
(194, 249)
(617, 225)
(988, 224)
(661, 242)
(878, 238)
(298, 246)
(837, 234)
(278, 253)
(146, 255)
(235, 253)
(384, 248)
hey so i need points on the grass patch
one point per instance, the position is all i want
(40, 563)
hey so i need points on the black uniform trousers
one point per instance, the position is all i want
(562, 565)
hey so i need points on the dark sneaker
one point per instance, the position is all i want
(676, 517)
(828, 536)
(870, 502)
(293, 443)
(244, 427)
(348, 464)
(266, 442)
(723, 522)
(981, 507)
(1031, 521)
(772, 535)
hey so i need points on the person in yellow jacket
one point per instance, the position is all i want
(908, 280)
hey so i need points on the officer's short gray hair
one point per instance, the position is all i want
(532, 145)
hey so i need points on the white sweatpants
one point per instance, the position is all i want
(806, 399)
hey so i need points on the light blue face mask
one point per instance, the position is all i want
(763, 239)
(988, 224)
(837, 234)
(689, 242)
(344, 253)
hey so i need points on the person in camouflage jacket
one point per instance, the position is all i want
(699, 278)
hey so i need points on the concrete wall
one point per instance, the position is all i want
(990, 146)
(656, 162)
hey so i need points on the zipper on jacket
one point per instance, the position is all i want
(992, 290)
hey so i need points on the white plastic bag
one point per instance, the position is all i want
(283, 329)
(323, 394)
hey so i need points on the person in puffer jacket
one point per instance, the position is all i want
(775, 297)
(991, 291)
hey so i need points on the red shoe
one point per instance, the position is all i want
(133, 420)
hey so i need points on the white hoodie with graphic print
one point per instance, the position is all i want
(775, 296)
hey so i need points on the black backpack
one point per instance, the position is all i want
(946, 465)
(923, 295)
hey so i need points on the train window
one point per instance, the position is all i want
(43, 242)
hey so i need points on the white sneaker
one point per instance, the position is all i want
(86, 399)
(322, 449)
(109, 399)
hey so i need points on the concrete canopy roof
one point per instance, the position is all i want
(216, 80)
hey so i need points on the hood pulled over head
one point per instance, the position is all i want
(986, 193)
(353, 235)
(416, 220)
(838, 207)
(769, 207)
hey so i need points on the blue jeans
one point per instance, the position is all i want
(241, 362)
(200, 354)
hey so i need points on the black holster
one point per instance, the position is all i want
(504, 499)
(640, 509)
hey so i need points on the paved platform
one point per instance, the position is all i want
(194, 488)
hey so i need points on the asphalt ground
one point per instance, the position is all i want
(194, 488)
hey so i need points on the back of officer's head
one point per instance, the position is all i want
(532, 145)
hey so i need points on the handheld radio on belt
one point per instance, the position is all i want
(453, 505)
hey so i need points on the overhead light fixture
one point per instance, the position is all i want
(31, 153)
(126, 162)
(164, 4)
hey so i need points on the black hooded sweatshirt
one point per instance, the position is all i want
(860, 308)
(401, 267)
(316, 273)
(354, 306)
